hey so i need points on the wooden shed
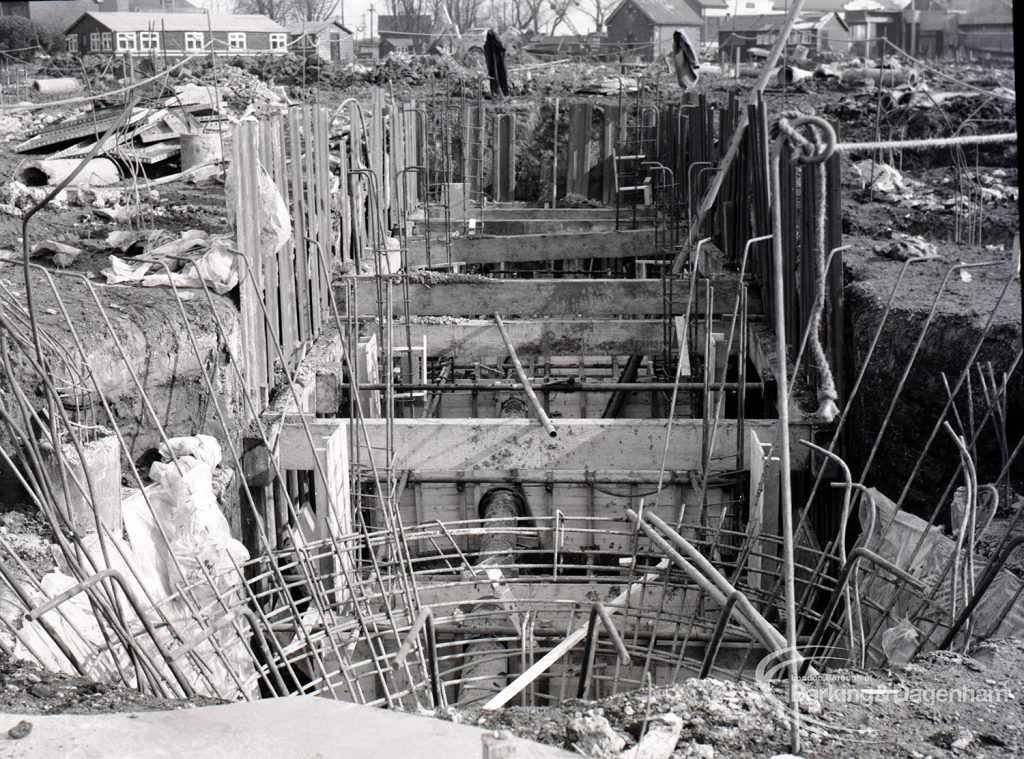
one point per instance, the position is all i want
(329, 40)
(646, 26)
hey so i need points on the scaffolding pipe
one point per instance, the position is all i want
(523, 380)
(710, 582)
(549, 659)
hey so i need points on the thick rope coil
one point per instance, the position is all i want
(816, 153)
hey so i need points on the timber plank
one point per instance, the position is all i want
(550, 297)
(423, 445)
(636, 243)
(475, 339)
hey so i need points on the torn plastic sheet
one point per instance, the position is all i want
(217, 266)
(198, 544)
(276, 225)
(925, 552)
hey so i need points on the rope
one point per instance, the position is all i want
(827, 395)
(816, 154)
(935, 142)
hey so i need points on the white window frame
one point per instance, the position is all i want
(237, 41)
(106, 41)
(278, 41)
(72, 42)
(149, 41)
(194, 40)
(94, 42)
(126, 42)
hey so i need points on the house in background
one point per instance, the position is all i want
(389, 45)
(329, 40)
(985, 27)
(930, 28)
(646, 26)
(367, 50)
(817, 33)
(749, 8)
(59, 14)
(410, 30)
(872, 23)
(175, 34)
(821, 32)
(741, 33)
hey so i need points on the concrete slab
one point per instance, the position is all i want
(284, 728)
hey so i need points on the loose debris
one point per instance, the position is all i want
(21, 730)
(905, 247)
(63, 255)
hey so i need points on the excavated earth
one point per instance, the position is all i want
(981, 311)
(719, 719)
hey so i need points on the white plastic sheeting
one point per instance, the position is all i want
(925, 552)
(198, 544)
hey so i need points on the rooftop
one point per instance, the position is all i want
(183, 22)
(671, 11)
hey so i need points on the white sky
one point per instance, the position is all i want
(357, 13)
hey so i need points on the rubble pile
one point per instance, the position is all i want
(699, 718)
(238, 87)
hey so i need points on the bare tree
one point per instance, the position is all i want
(311, 10)
(413, 18)
(523, 15)
(558, 11)
(275, 9)
(465, 14)
(597, 10)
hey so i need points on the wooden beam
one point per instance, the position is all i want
(475, 339)
(423, 445)
(510, 227)
(637, 243)
(548, 297)
(505, 212)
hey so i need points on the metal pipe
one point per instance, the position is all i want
(716, 639)
(599, 613)
(569, 386)
(523, 380)
(778, 281)
(707, 578)
(737, 136)
(844, 576)
(113, 574)
(628, 375)
(410, 637)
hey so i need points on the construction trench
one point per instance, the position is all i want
(438, 448)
